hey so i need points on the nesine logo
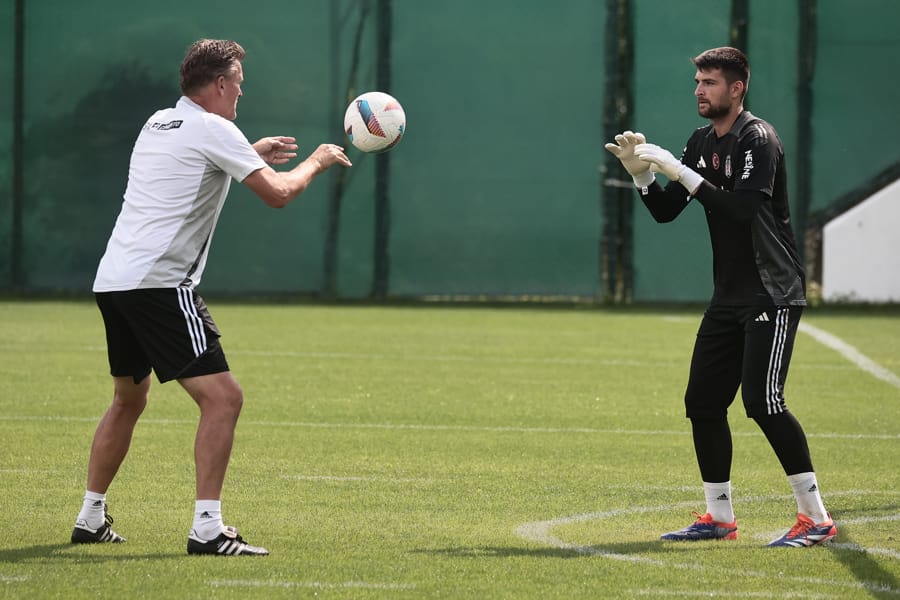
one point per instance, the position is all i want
(748, 164)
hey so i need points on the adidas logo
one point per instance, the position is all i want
(701, 164)
(723, 497)
(762, 318)
(814, 488)
(205, 515)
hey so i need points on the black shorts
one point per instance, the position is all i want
(166, 330)
(742, 346)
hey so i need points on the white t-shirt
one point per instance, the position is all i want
(181, 168)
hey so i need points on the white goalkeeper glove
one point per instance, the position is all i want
(623, 149)
(662, 161)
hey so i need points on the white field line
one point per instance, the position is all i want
(461, 428)
(13, 578)
(354, 479)
(613, 362)
(27, 471)
(373, 356)
(540, 532)
(507, 360)
(857, 548)
(705, 593)
(365, 585)
(860, 520)
(368, 357)
(850, 353)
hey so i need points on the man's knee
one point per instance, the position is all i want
(233, 396)
(219, 393)
(131, 396)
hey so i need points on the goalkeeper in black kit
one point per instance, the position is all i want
(735, 168)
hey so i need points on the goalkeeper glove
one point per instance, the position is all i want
(623, 149)
(662, 161)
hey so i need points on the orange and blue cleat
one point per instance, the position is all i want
(806, 533)
(704, 528)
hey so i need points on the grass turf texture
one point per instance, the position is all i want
(427, 452)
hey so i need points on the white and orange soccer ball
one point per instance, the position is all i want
(374, 122)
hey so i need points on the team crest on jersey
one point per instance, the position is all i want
(715, 161)
(728, 166)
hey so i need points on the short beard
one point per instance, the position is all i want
(714, 112)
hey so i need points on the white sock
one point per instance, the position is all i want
(718, 501)
(92, 513)
(809, 501)
(208, 519)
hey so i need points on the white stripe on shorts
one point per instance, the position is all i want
(773, 394)
(193, 321)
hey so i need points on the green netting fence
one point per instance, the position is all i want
(500, 188)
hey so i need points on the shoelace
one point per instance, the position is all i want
(700, 518)
(800, 527)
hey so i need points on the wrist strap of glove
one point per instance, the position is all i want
(644, 179)
(691, 180)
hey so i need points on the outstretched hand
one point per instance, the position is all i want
(276, 150)
(327, 155)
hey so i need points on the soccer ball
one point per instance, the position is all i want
(374, 122)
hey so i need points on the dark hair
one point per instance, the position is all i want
(732, 62)
(206, 60)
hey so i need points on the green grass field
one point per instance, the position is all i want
(432, 452)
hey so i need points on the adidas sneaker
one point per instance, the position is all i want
(228, 543)
(704, 528)
(805, 533)
(82, 534)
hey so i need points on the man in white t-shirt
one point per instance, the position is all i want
(181, 168)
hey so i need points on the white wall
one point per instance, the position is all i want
(861, 251)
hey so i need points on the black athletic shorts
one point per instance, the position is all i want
(741, 346)
(166, 330)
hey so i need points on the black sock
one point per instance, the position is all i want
(712, 443)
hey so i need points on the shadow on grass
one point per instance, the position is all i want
(868, 573)
(73, 553)
(865, 570)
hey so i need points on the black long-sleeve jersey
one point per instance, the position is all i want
(755, 259)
